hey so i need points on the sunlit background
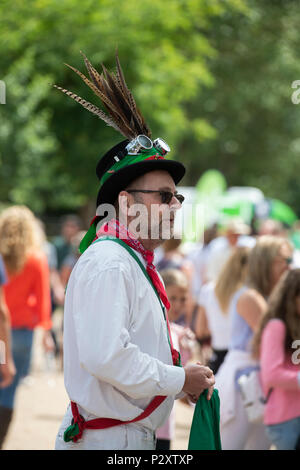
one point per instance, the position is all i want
(216, 79)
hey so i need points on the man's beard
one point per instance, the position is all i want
(153, 226)
(164, 231)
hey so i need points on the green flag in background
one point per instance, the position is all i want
(233, 207)
(282, 212)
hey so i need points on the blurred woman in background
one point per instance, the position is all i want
(275, 343)
(213, 319)
(268, 260)
(27, 295)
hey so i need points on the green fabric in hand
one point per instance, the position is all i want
(205, 429)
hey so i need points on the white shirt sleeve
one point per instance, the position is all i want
(102, 321)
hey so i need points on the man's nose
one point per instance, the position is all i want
(175, 204)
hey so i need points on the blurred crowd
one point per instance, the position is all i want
(235, 306)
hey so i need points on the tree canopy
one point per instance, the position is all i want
(212, 78)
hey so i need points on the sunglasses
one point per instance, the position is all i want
(166, 196)
(288, 261)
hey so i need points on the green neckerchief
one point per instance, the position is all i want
(205, 429)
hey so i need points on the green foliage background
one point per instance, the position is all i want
(213, 79)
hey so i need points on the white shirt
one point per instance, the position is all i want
(219, 323)
(116, 351)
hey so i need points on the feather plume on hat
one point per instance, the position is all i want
(134, 156)
(122, 112)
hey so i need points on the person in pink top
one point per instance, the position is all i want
(277, 344)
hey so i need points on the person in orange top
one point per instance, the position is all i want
(27, 295)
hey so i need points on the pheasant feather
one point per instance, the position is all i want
(90, 107)
(122, 112)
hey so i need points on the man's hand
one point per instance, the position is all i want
(7, 373)
(197, 379)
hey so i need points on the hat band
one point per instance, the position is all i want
(130, 160)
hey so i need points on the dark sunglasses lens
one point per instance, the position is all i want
(166, 197)
(180, 198)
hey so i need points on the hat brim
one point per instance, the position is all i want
(109, 191)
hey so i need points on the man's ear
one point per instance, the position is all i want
(124, 203)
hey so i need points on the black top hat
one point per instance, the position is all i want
(132, 157)
(115, 180)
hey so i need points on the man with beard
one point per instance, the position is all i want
(121, 370)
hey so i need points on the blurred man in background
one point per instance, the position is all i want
(71, 225)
